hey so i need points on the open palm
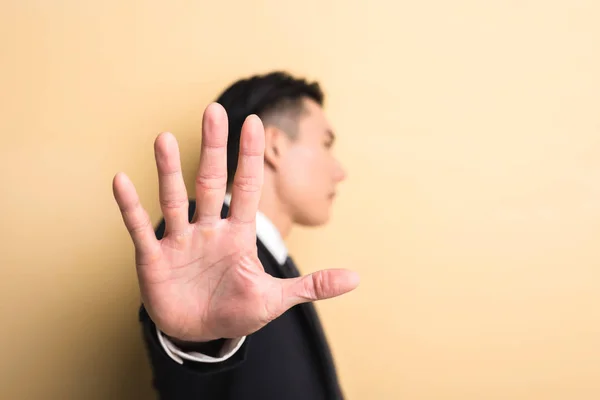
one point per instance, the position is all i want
(203, 280)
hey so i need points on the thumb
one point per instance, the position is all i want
(319, 285)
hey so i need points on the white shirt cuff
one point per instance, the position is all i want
(229, 348)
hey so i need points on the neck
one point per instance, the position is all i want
(272, 207)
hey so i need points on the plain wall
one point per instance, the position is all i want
(471, 133)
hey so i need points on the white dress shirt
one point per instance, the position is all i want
(270, 237)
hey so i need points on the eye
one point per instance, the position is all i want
(329, 139)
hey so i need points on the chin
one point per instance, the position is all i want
(313, 220)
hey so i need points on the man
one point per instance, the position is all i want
(225, 313)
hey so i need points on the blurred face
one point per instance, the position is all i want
(308, 173)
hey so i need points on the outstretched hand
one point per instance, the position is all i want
(203, 280)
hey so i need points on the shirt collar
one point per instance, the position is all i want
(268, 234)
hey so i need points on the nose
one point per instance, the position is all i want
(340, 172)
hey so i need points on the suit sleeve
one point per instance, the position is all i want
(189, 380)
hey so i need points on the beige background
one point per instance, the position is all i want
(471, 131)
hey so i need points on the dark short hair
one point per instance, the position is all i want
(267, 96)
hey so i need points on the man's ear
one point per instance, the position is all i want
(274, 146)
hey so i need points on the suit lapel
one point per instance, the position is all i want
(313, 325)
(313, 321)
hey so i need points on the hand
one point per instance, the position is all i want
(203, 280)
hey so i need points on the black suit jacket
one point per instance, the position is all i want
(288, 359)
